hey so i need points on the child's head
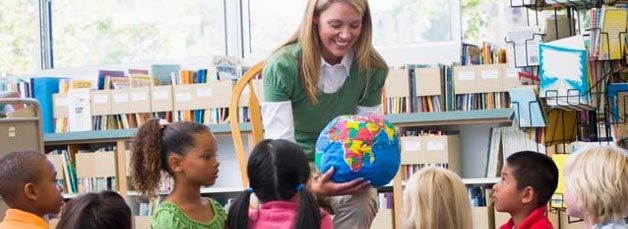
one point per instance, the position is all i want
(435, 197)
(186, 150)
(103, 210)
(528, 181)
(277, 170)
(596, 182)
(28, 181)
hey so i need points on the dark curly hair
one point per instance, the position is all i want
(152, 145)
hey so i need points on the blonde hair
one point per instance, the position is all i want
(436, 198)
(597, 178)
(307, 36)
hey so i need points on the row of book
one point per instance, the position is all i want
(424, 148)
(385, 200)
(223, 68)
(608, 32)
(479, 196)
(127, 102)
(415, 88)
(88, 172)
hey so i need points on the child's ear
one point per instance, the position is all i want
(527, 195)
(30, 191)
(175, 162)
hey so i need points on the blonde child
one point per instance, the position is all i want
(596, 181)
(436, 198)
(279, 175)
(187, 151)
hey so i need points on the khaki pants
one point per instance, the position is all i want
(350, 211)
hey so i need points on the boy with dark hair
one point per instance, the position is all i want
(527, 183)
(29, 188)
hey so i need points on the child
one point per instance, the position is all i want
(186, 151)
(279, 172)
(435, 197)
(103, 210)
(527, 183)
(596, 182)
(28, 185)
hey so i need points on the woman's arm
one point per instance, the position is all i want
(278, 120)
(363, 110)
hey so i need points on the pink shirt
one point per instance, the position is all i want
(281, 215)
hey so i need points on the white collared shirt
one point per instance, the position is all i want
(277, 116)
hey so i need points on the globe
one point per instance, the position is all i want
(356, 146)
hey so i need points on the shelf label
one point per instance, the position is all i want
(183, 97)
(121, 98)
(61, 102)
(490, 74)
(412, 146)
(160, 95)
(466, 75)
(204, 93)
(100, 99)
(512, 73)
(139, 96)
(435, 146)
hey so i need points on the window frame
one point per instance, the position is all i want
(237, 34)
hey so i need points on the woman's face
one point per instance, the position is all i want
(339, 27)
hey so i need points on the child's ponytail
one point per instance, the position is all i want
(309, 213)
(239, 211)
(146, 157)
(154, 141)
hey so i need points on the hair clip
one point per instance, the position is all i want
(163, 123)
(249, 190)
(300, 187)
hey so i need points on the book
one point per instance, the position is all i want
(163, 72)
(527, 108)
(42, 89)
(613, 25)
(103, 74)
(563, 72)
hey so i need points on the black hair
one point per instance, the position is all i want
(152, 145)
(275, 169)
(16, 170)
(103, 210)
(536, 170)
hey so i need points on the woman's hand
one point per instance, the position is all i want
(323, 186)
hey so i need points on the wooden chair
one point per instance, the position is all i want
(257, 134)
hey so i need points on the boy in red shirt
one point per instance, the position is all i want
(527, 183)
(29, 188)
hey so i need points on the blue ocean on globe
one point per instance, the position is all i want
(359, 146)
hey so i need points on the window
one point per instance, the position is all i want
(411, 21)
(18, 37)
(417, 31)
(490, 20)
(271, 23)
(101, 32)
(404, 31)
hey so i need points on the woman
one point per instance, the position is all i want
(326, 69)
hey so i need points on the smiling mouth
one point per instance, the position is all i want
(342, 44)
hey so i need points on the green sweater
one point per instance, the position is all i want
(282, 83)
(170, 216)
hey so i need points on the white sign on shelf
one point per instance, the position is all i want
(435, 146)
(412, 146)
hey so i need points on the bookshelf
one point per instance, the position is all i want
(97, 136)
(121, 138)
